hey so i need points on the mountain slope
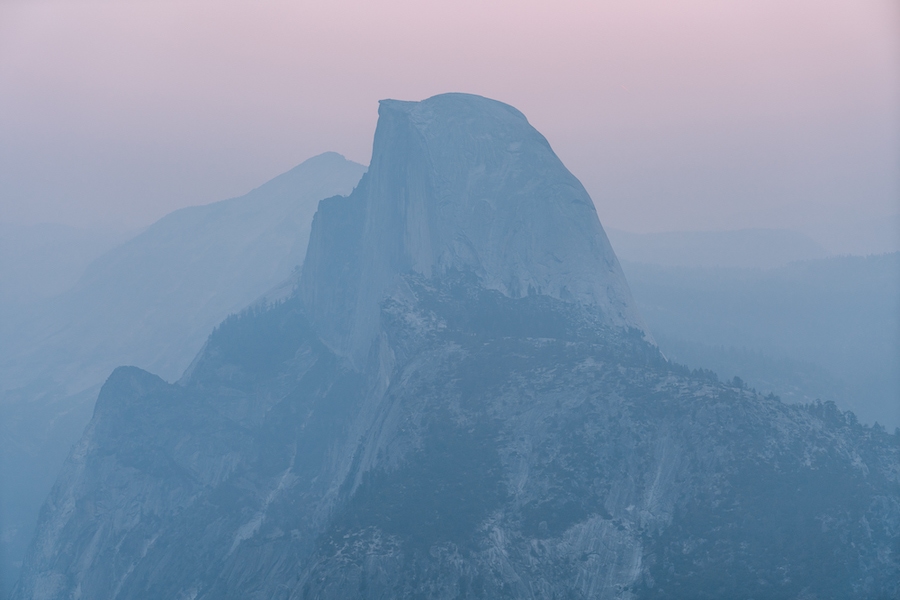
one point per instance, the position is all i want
(827, 328)
(460, 183)
(398, 429)
(43, 260)
(170, 285)
(539, 456)
(150, 302)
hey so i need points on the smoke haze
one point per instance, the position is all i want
(696, 116)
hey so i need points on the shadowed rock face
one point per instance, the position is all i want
(487, 443)
(463, 183)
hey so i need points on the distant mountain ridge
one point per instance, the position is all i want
(826, 328)
(42, 260)
(152, 301)
(444, 409)
(176, 276)
(743, 248)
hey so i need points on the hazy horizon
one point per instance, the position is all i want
(442, 379)
(700, 117)
(862, 238)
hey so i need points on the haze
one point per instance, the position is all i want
(254, 344)
(695, 115)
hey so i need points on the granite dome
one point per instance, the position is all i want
(462, 183)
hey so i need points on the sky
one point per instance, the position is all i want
(688, 115)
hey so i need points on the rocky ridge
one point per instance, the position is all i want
(436, 412)
(150, 302)
(458, 183)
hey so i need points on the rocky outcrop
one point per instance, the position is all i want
(412, 424)
(460, 183)
(150, 302)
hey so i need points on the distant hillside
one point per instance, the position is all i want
(153, 300)
(43, 260)
(150, 302)
(867, 236)
(460, 401)
(762, 248)
(827, 328)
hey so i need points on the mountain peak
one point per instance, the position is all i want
(451, 105)
(460, 182)
(494, 446)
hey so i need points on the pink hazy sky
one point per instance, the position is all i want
(696, 114)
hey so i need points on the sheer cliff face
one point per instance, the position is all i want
(443, 410)
(461, 183)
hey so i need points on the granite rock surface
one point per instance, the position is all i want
(459, 401)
